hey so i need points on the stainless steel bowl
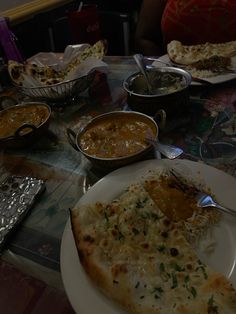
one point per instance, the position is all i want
(23, 133)
(116, 162)
(171, 91)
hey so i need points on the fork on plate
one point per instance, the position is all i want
(206, 200)
(203, 199)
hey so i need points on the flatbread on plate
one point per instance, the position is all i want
(142, 260)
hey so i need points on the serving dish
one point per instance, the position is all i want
(84, 296)
(116, 138)
(170, 91)
(21, 124)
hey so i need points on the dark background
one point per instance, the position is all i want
(50, 31)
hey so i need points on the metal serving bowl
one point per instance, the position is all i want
(24, 133)
(116, 162)
(170, 91)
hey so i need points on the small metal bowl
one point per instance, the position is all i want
(170, 86)
(25, 132)
(115, 162)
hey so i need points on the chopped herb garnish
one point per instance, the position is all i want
(174, 281)
(162, 267)
(193, 292)
(139, 204)
(177, 267)
(161, 248)
(186, 279)
(137, 284)
(154, 216)
(106, 217)
(202, 268)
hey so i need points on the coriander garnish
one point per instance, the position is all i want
(174, 281)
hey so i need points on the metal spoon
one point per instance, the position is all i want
(169, 151)
(140, 63)
(205, 200)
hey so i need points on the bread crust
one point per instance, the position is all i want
(188, 55)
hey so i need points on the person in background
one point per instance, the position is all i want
(189, 21)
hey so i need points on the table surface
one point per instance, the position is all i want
(207, 134)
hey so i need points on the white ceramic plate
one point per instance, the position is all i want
(214, 79)
(84, 297)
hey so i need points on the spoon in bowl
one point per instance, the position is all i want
(140, 63)
(169, 151)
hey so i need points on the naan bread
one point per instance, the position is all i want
(35, 75)
(16, 71)
(98, 50)
(141, 259)
(187, 55)
(43, 75)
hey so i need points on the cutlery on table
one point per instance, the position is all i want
(140, 63)
(206, 200)
(169, 151)
(203, 199)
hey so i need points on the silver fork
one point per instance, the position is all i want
(206, 200)
(203, 199)
(167, 150)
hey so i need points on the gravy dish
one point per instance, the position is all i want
(115, 139)
(20, 123)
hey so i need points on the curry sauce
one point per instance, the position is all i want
(165, 192)
(117, 137)
(14, 117)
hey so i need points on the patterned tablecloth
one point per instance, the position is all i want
(207, 134)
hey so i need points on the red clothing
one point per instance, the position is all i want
(199, 21)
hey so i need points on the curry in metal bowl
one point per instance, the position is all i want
(21, 123)
(115, 139)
